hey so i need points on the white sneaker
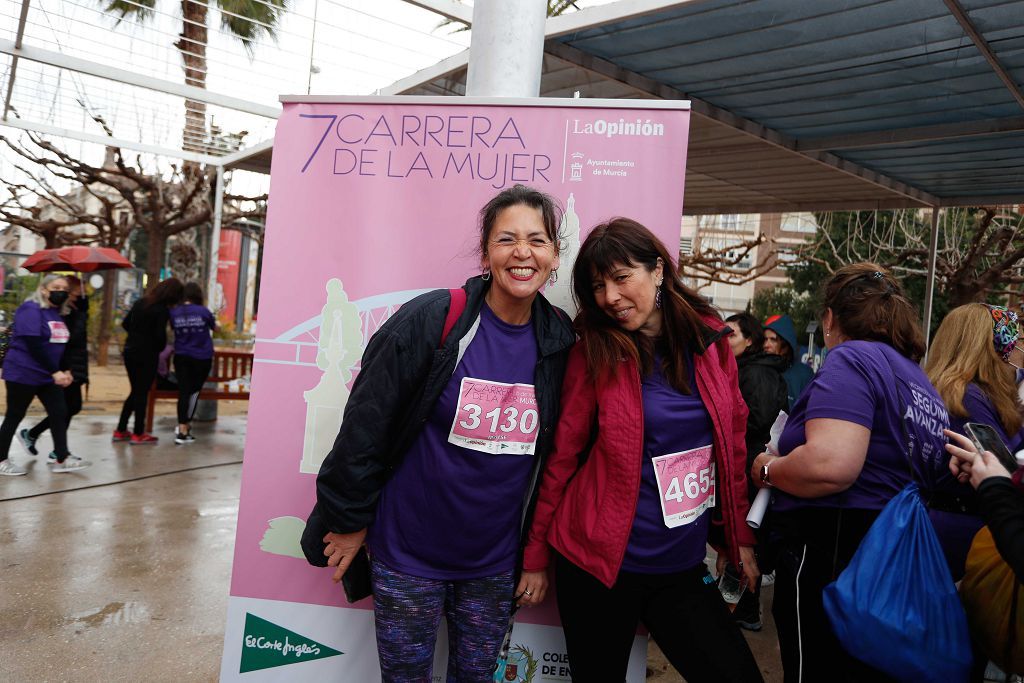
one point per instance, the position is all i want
(72, 464)
(768, 579)
(9, 469)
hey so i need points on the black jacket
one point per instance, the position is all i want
(147, 328)
(764, 391)
(1002, 505)
(76, 353)
(402, 376)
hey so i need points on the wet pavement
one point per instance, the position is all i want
(120, 572)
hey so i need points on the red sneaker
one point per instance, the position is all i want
(121, 436)
(147, 439)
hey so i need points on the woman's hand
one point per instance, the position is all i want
(964, 453)
(62, 378)
(755, 469)
(340, 550)
(532, 588)
(748, 563)
(986, 465)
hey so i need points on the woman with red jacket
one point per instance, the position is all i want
(651, 406)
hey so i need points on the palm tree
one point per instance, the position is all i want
(246, 20)
(555, 8)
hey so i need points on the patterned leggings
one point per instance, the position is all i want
(407, 612)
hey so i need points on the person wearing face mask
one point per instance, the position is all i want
(76, 360)
(972, 363)
(449, 422)
(652, 406)
(32, 369)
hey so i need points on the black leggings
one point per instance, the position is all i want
(684, 612)
(815, 545)
(73, 401)
(141, 368)
(191, 374)
(19, 396)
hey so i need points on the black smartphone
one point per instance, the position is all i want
(986, 438)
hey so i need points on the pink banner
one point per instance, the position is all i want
(374, 201)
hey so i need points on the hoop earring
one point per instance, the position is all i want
(486, 275)
(554, 278)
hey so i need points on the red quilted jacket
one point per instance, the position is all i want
(587, 515)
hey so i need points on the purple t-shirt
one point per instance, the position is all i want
(871, 384)
(453, 508)
(32, 320)
(980, 409)
(673, 423)
(192, 324)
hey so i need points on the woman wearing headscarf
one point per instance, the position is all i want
(971, 362)
(651, 403)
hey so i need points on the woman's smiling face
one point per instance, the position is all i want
(520, 253)
(627, 294)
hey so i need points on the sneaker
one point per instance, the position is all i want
(143, 439)
(747, 614)
(9, 469)
(121, 436)
(52, 457)
(71, 464)
(28, 441)
(183, 438)
(768, 579)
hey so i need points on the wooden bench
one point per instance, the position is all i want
(226, 366)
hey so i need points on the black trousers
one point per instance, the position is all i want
(815, 545)
(684, 612)
(73, 401)
(19, 396)
(141, 369)
(191, 374)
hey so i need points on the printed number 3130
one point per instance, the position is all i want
(526, 423)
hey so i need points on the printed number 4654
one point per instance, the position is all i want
(694, 484)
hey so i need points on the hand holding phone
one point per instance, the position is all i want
(986, 438)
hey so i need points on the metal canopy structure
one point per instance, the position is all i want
(852, 104)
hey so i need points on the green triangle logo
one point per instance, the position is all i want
(266, 645)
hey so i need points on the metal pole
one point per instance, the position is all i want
(218, 212)
(22, 20)
(929, 287)
(506, 51)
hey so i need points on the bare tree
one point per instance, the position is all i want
(128, 196)
(980, 250)
(729, 263)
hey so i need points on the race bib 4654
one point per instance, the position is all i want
(686, 484)
(494, 417)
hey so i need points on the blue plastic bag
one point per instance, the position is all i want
(895, 606)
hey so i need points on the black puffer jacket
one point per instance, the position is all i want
(402, 376)
(764, 391)
(76, 353)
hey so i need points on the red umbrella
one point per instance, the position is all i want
(80, 259)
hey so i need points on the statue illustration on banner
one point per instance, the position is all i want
(340, 346)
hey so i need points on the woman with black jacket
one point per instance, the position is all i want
(75, 361)
(447, 427)
(146, 324)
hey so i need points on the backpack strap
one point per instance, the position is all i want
(455, 309)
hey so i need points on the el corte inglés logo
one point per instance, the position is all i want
(266, 645)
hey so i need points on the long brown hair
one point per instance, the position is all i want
(961, 353)
(624, 242)
(868, 303)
